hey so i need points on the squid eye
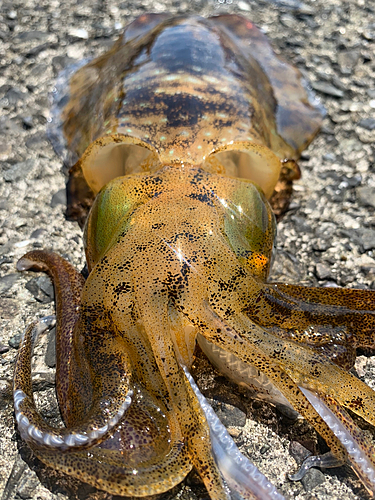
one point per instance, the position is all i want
(115, 156)
(249, 161)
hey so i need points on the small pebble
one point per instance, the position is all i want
(367, 238)
(19, 171)
(312, 479)
(28, 36)
(43, 381)
(234, 432)
(50, 356)
(330, 157)
(229, 415)
(37, 141)
(59, 198)
(244, 6)
(37, 233)
(41, 288)
(301, 224)
(347, 60)
(27, 485)
(322, 271)
(369, 35)
(367, 123)
(7, 281)
(298, 452)
(79, 33)
(28, 122)
(4, 349)
(320, 245)
(14, 96)
(366, 196)
(265, 448)
(15, 341)
(6, 388)
(22, 244)
(61, 62)
(327, 88)
(287, 20)
(354, 181)
(12, 14)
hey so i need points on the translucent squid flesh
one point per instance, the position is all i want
(182, 137)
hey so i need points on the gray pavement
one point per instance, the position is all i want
(327, 238)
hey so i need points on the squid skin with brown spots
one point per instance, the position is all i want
(179, 136)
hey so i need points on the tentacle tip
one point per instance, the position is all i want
(309, 462)
(298, 475)
(24, 264)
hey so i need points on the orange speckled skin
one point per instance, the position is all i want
(187, 86)
(179, 246)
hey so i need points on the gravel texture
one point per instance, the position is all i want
(327, 238)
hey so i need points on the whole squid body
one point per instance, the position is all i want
(179, 136)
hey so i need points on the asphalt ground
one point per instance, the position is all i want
(327, 237)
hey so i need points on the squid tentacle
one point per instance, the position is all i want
(239, 473)
(189, 413)
(118, 478)
(295, 307)
(325, 461)
(347, 442)
(68, 284)
(96, 427)
(75, 449)
(244, 374)
(359, 449)
(315, 372)
(334, 387)
(106, 470)
(105, 412)
(250, 350)
(309, 369)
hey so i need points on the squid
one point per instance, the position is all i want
(183, 140)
